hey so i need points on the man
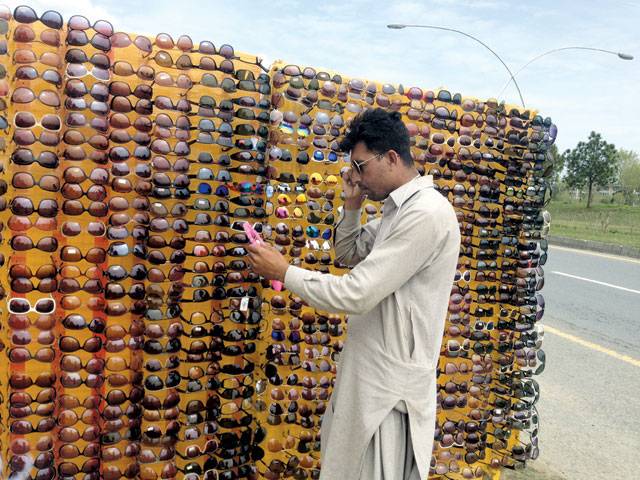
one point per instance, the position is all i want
(379, 424)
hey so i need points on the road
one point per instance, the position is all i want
(590, 390)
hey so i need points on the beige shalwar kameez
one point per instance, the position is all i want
(379, 424)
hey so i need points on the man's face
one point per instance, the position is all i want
(373, 175)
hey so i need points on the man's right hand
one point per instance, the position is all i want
(353, 196)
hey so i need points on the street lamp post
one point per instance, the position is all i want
(398, 26)
(620, 55)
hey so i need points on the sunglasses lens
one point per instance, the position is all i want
(52, 19)
(24, 14)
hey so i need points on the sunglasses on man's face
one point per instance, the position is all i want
(357, 166)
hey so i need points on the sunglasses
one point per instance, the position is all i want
(474, 180)
(79, 38)
(78, 70)
(25, 95)
(50, 18)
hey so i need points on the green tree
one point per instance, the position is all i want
(591, 163)
(629, 163)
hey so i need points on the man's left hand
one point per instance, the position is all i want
(268, 262)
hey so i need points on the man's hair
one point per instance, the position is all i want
(380, 131)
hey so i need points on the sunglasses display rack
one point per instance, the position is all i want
(136, 341)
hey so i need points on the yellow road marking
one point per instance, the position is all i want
(593, 346)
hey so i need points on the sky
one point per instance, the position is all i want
(580, 90)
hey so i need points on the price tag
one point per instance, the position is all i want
(244, 304)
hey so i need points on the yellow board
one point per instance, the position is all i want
(137, 342)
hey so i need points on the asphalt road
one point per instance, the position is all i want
(590, 389)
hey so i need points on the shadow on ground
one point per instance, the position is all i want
(531, 473)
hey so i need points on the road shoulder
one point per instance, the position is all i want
(592, 246)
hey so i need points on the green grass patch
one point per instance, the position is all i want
(603, 222)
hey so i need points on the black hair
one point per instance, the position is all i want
(380, 131)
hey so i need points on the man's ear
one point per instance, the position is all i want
(393, 157)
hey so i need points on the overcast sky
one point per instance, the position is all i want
(580, 90)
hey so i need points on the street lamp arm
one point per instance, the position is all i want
(399, 26)
(623, 56)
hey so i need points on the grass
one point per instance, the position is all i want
(605, 222)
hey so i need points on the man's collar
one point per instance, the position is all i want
(400, 194)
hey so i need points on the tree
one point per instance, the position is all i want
(629, 163)
(590, 164)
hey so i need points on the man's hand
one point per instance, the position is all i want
(353, 196)
(267, 261)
